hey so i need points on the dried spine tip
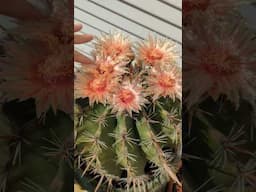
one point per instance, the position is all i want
(152, 149)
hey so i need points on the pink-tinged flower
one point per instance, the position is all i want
(128, 97)
(38, 63)
(107, 67)
(218, 60)
(157, 52)
(96, 88)
(114, 45)
(165, 83)
(28, 73)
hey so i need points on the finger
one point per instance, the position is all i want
(77, 27)
(80, 58)
(78, 39)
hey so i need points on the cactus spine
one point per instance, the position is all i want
(128, 117)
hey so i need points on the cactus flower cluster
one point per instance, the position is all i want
(127, 115)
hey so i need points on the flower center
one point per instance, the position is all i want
(114, 50)
(52, 73)
(105, 68)
(221, 63)
(126, 96)
(166, 82)
(154, 54)
(98, 85)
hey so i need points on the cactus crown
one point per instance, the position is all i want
(127, 116)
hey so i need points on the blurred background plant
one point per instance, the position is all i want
(36, 83)
(219, 96)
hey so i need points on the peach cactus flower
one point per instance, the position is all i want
(28, 73)
(221, 65)
(115, 46)
(157, 52)
(38, 63)
(97, 88)
(107, 67)
(165, 83)
(128, 97)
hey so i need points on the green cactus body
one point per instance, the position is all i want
(170, 127)
(125, 139)
(151, 147)
(115, 153)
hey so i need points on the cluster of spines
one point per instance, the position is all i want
(90, 136)
(107, 83)
(150, 143)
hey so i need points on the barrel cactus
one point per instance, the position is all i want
(36, 99)
(219, 115)
(128, 116)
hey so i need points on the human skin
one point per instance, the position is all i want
(80, 39)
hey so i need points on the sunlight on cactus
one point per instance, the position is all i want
(128, 116)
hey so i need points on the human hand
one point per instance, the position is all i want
(79, 39)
